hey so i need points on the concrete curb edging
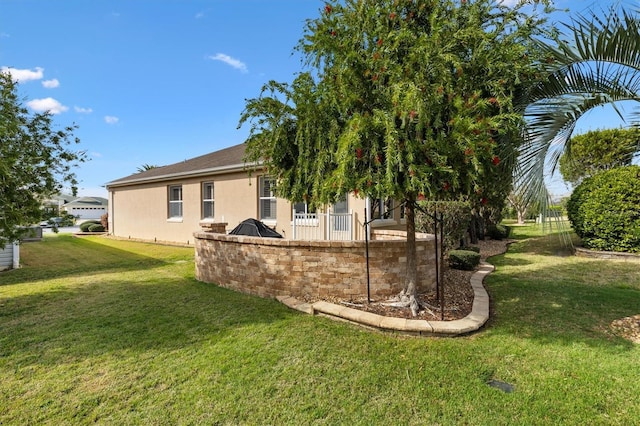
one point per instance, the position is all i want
(477, 318)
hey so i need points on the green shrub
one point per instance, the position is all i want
(604, 210)
(96, 227)
(471, 248)
(498, 232)
(84, 226)
(464, 259)
(456, 219)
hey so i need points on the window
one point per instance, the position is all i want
(341, 219)
(303, 208)
(382, 208)
(341, 206)
(267, 198)
(175, 201)
(207, 200)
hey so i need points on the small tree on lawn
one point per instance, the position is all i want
(597, 151)
(35, 161)
(405, 99)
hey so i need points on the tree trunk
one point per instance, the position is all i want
(410, 290)
(521, 214)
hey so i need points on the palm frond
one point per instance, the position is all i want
(596, 64)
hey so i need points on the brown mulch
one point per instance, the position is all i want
(628, 328)
(458, 294)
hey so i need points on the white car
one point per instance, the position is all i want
(50, 222)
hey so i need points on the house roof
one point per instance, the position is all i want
(88, 202)
(224, 160)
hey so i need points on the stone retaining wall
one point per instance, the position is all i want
(271, 267)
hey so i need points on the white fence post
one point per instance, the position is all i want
(294, 223)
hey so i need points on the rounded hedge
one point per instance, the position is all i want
(84, 226)
(498, 232)
(464, 259)
(604, 210)
(96, 227)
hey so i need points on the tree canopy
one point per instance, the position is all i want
(597, 151)
(403, 99)
(35, 161)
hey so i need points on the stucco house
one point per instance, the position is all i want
(172, 202)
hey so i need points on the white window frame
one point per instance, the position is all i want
(206, 200)
(174, 203)
(271, 199)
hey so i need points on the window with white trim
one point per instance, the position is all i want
(175, 201)
(208, 210)
(302, 207)
(267, 198)
(382, 208)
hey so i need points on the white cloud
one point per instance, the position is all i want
(235, 63)
(110, 119)
(47, 104)
(199, 15)
(96, 155)
(82, 110)
(51, 84)
(23, 75)
(509, 3)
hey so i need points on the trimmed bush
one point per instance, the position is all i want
(464, 259)
(604, 210)
(96, 227)
(84, 226)
(471, 248)
(498, 232)
(456, 219)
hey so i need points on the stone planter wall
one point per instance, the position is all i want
(271, 267)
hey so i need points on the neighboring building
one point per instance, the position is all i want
(53, 205)
(170, 203)
(85, 208)
(9, 256)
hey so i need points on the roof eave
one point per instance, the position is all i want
(192, 173)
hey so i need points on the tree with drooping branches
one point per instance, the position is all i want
(402, 98)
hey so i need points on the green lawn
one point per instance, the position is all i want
(117, 332)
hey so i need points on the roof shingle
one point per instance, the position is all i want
(228, 158)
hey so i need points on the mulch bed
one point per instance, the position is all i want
(458, 294)
(458, 298)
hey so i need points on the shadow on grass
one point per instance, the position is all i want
(63, 255)
(557, 299)
(131, 313)
(82, 297)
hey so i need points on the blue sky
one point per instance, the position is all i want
(156, 82)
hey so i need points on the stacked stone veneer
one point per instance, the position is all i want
(271, 267)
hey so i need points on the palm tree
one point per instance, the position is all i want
(596, 63)
(146, 167)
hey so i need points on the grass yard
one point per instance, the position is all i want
(95, 330)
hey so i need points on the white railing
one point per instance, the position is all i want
(322, 226)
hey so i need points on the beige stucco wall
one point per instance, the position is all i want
(140, 211)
